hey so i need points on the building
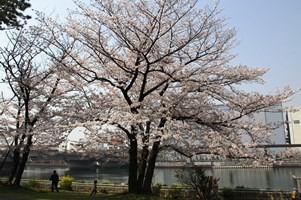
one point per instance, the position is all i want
(293, 127)
(272, 115)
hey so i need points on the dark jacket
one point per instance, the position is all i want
(54, 178)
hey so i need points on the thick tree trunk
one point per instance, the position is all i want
(147, 185)
(23, 162)
(142, 168)
(4, 160)
(21, 168)
(132, 187)
(16, 161)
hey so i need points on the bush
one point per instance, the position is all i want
(227, 193)
(104, 191)
(156, 189)
(31, 183)
(105, 181)
(66, 182)
(196, 180)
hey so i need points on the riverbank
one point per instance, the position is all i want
(41, 190)
(11, 193)
(266, 178)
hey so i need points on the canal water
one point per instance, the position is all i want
(261, 178)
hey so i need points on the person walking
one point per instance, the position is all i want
(94, 189)
(54, 181)
(215, 188)
(295, 194)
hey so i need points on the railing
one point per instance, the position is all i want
(47, 162)
(297, 182)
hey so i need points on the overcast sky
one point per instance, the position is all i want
(268, 31)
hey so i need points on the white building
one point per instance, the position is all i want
(272, 115)
(294, 127)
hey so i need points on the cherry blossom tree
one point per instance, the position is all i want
(161, 73)
(37, 97)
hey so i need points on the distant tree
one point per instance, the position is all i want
(161, 74)
(37, 97)
(12, 13)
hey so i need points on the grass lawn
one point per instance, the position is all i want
(11, 193)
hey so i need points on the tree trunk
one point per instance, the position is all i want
(23, 162)
(147, 185)
(21, 168)
(16, 161)
(4, 160)
(142, 168)
(132, 187)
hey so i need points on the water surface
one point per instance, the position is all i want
(261, 178)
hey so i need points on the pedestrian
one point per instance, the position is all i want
(295, 194)
(215, 187)
(94, 189)
(54, 181)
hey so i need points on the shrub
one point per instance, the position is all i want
(196, 180)
(66, 182)
(104, 191)
(31, 183)
(105, 181)
(227, 193)
(156, 189)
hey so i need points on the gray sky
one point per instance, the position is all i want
(268, 32)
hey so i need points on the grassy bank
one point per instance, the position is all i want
(11, 193)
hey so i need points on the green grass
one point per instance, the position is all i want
(12, 193)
